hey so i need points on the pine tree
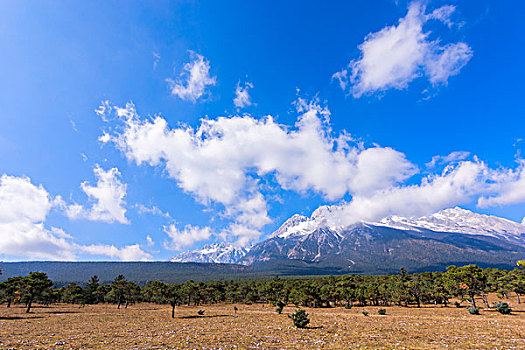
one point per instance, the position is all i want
(300, 318)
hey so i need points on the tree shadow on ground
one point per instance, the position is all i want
(18, 317)
(204, 316)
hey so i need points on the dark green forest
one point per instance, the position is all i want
(463, 284)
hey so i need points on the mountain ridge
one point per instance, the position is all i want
(448, 235)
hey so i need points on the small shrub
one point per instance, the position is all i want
(200, 312)
(300, 318)
(381, 311)
(235, 309)
(457, 303)
(503, 308)
(280, 307)
(348, 306)
(473, 310)
(364, 312)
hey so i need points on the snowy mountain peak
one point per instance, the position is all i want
(297, 225)
(461, 221)
(225, 253)
(323, 212)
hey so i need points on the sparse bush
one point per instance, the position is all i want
(280, 307)
(364, 312)
(300, 318)
(473, 310)
(381, 311)
(502, 308)
(200, 312)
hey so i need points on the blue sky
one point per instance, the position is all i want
(344, 104)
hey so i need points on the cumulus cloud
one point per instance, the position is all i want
(398, 54)
(24, 233)
(457, 184)
(242, 96)
(108, 197)
(223, 159)
(226, 160)
(185, 237)
(192, 82)
(23, 210)
(508, 187)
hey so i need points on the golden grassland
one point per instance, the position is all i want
(150, 326)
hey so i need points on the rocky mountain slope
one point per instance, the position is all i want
(451, 236)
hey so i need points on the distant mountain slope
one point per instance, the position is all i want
(451, 236)
(461, 221)
(222, 253)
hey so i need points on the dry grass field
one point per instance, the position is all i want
(149, 326)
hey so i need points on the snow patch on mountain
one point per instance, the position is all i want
(456, 220)
(220, 253)
(461, 221)
(297, 225)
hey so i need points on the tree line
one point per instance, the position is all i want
(464, 283)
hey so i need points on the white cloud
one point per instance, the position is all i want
(127, 253)
(447, 62)
(23, 210)
(443, 14)
(222, 160)
(108, 197)
(150, 241)
(104, 138)
(226, 160)
(24, 233)
(456, 185)
(242, 96)
(156, 59)
(396, 55)
(193, 81)
(154, 210)
(452, 157)
(185, 237)
(508, 187)
(73, 125)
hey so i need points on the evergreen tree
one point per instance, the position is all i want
(33, 286)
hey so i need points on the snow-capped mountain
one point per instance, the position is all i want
(220, 253)
(455, 219)
(450, 236)
(461, 221)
